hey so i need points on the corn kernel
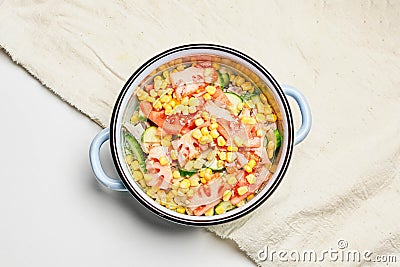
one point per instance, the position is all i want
(165, 98)
(248, 120)
(260, 107)
(135, 118)
(227, 195)
(241, 203)
(142, 183)
(207, 96)
(180, 210)
(220, 209)
(205, 115)
(271, 117)
(260, 117)
(216, 66)
(194, 181)
(165, 74)
(251, 178)
(209, 212)
(204, 131)
(220, 163)
(176, 174)
(157, 105)
(208, 174)
(202, 173)
(137, 175)
(143, 96)
(205, 139)
(222, 155)
(189, 165)
(199, 121)
(164, 161)
(230, 156)
(211, 155)
(185, 183)
(129, 159)
(197, 133)
(242, 190)
(174, 154)
(185, 110)
(203, 180)
(263, 98)
(153, 93)
(232, 148)
(267, 110)
(135, 165)
(221, 141)
(238, 141)
(192, 109)
(180, 68)
(249, 104)
(150, 99)
(185, 101)
(213, 126)
(211, 89)
(147, 177)
(213, 119)
(252, 163)
(214, 133)
(232, 77)
(246, 86)
(239, 80)
(247, 168)
(165, 143)
(231, 180)
(158, 84)
(172, 103)
(194, 102)
(250, 197)
(190, 193)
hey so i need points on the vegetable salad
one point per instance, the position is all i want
(202, 139)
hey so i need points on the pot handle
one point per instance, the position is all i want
(94, 155)
(306, 118)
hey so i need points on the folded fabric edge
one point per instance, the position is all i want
(9, 53)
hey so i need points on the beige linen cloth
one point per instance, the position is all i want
(343, 180)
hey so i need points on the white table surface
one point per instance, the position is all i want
(54, 213)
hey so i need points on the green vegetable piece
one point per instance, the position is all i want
(137, 152)
(186, 173)
(150, 135)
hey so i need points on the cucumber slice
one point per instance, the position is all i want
(223, 79)
(150, 135)
(237, 102)
(137, 152)
(186, 173)
(274, 136)
(214, 166)
(278, 139)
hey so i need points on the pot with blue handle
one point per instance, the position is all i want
(127, 103)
